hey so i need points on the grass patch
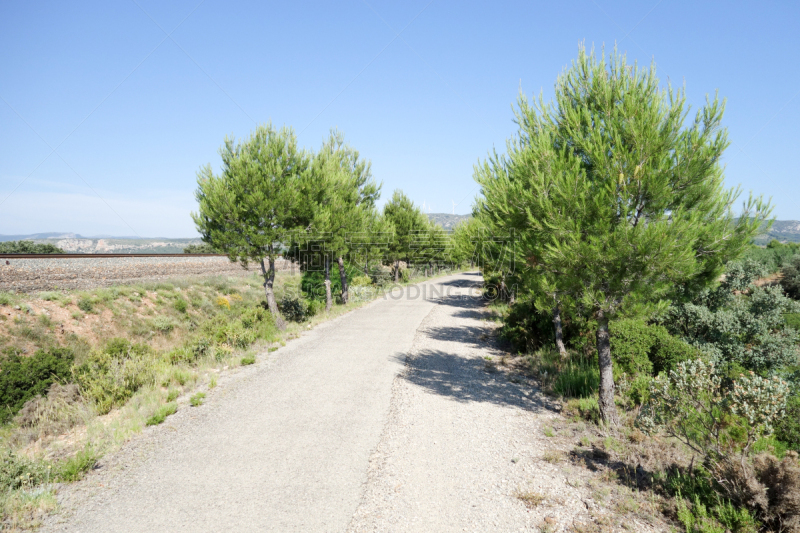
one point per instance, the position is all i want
(197, 399)
(74, 468)
(172, 395)
(162, 413)
(249, 360)
(530, 499)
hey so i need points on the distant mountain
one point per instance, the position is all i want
(782, 230)
(74, 243)
(446, 220)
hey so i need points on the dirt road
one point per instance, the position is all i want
(390, 418)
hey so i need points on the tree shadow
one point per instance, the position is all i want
(471, 380)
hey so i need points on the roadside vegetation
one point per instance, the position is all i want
(28, 247)
(634, 295)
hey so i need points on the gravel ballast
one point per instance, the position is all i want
(31, 275)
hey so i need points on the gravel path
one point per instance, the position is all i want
(29, 275)
(388, 419)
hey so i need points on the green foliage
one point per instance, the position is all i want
(162, 413)
(197, 399)
(180, 305)
(162, 324)
(112, 375)
(772, 257)
(17, 471)
(172, 395)
(716, 421)
(248, 360)
(577, 378)
(313, 282)
(28, 247)
(23, 378)
(787, 430)
(294, 309)
(85, 304)
(790, 278)
(748, 328)
(613, 196)
(642, 348)
(203, 248)
(792, 320)
(407, 221)
(6, 298)
(75, 467)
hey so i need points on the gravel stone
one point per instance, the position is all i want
(31, 275)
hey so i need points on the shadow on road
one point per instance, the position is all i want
(469, 380)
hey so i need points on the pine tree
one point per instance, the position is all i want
(615, 198)
(408, 222)
(343, 198)
(252, 205)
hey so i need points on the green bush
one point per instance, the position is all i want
(792, 320)
(85, 304)
(641, 348)
(23, 378)
(180, 305)
(631, 343)
(28, 247)
(313, 282)
(162, 324)
(787, 430)
(111, 376)
(294, 309)
(203, 248)
(17, 471)
(790, 278)
(528, 328)
(700, 509)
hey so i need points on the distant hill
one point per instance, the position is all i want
(446, 220)
(75, 243)
(782, 230)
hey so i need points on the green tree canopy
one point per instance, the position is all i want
(342, 197)
(408, 222)
(614, 197)
(255, 201)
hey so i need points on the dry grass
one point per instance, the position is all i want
(530, 499)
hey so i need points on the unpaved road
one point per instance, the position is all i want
(387, 419)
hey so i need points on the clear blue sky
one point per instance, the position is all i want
(133, 113)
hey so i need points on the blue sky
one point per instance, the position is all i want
(135, 96)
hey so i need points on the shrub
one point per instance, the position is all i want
(62, 409)
(692, 405)
(111, 376)
(361, 281)
(631, 343)
(223, 302)
(162, 413)
(249, 360)
(313, 282)
(180, 305)
(6, 298)
(85, 304)
(294, 309)
(162, 324)
(782, 480)
(788, 428)
(203, 248)
(585, 408)
(790, 278)
(28, 247)
(23, 378)
(17, 471)
(792, 320)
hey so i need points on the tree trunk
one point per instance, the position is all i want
(343, 279)
(269, 281)
(559, 333)
(397, 271)
(608, 409)
(328, 299)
